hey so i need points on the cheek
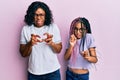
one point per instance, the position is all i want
(78, 35)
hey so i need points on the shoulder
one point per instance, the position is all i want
(26, 27)
(54, 26)
(89, 36)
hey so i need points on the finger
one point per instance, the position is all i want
(33, 35)
(49, 43)
(74, 37)
(33, 42)
(82, 53)
(86, 57)
(39, 39)
(47, 34)
(37, 36)
(50, 36)
(49, 39)
(86, 52)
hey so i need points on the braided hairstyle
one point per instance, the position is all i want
(84, 23)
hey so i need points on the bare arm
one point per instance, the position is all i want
(92, 57)
(56, 47)
(68, 52)
(25, 49)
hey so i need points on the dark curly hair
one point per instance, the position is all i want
(29, 17)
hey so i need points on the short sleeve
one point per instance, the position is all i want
(56, 36)
(67, 43)
(90, 41)
(23, 39)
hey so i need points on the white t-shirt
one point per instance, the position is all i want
(42, 59)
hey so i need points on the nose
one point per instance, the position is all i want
(39, 17)
(79, 31)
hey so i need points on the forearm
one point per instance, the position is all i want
(92, 59)
(68, 53)
(26, 49)
(56, 47)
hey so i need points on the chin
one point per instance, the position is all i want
(78, 38)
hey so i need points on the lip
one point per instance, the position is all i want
(78, 35)
(39, 22)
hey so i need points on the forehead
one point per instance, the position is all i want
(78, 24)
(39, 10)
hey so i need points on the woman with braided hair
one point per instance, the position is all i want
(81, 50)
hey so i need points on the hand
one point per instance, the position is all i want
(35, 39)
(49, 38)
(86, 55)
(72, 40)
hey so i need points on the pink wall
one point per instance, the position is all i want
(102, 14)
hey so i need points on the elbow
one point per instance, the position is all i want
(59, 49)
(95, 61)
(22, 54)
(66, 58)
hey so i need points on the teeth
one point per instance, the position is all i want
(39, 21)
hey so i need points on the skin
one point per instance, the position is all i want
(90, 58)
(39, 19)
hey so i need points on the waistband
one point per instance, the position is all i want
(75, 74)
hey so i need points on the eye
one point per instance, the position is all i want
(79, 29)
(39, 15)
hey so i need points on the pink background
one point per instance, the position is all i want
(104, 16)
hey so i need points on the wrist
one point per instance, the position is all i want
(52, 44)
(29, 44)
(71, 46)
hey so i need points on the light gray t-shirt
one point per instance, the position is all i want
(76, 60)
(42, 59)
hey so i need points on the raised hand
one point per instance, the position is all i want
(86, 55)
(72, 40)
(49, 39)
(35, 39)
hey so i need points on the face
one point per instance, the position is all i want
(39, 17)
(79, 30)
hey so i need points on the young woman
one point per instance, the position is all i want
(80, 52)
(42, 51)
